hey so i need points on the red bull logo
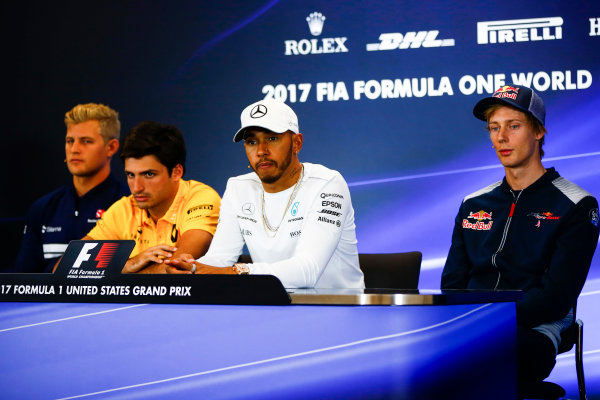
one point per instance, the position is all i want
(479, 217)
(549, 215)
(544, 215)
(506, 91)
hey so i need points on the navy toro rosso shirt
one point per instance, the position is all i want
(59, 217)
(540, 240)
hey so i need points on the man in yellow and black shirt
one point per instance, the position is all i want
(165, 214)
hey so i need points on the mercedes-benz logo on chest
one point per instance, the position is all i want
(248, 208)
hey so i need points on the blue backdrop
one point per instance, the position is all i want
(384, 91)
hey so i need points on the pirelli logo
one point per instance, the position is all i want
(519, 30)
(200, 207)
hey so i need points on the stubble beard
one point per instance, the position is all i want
(280, 170)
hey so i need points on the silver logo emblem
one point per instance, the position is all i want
(258, 111)
(248, 208)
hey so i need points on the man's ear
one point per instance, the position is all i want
(112, 147)
(539, 135)
(297, 140)
(177, 172)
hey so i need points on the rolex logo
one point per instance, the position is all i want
(315, 46)
(315, 23)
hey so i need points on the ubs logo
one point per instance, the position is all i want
(248, 208)
(258, 111)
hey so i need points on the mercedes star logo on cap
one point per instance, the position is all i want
(258, 111)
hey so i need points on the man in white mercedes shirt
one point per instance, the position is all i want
(295, 218)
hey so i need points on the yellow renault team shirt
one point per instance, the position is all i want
(196, 206)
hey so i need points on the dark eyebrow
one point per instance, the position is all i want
(142, 172)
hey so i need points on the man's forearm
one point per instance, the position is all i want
(153, 268)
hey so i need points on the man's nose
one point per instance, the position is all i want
(503, 134)
(263, 149)
(136, 185)
(75, 147)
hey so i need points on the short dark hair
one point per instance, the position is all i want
(165, 142)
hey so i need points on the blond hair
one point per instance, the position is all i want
(110, 127)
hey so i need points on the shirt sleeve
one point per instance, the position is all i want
(456, 271)
(565, 276)
(31, 254)
(202, 210)
(318, 241)
(107, 227)
(228, 242)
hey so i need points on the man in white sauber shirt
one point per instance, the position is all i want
(295, 218)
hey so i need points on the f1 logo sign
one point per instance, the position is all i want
(83, 254)
(94, 259)
(104, 255)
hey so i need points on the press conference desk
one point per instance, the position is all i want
(87, 350)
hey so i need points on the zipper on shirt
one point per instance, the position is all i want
(76, 211)
(505, 233)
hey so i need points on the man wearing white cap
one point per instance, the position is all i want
(295, 218)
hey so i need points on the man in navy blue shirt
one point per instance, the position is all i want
(69, 212)
(533, 231)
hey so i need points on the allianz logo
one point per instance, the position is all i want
(316, 21)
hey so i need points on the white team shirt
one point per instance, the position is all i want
(315, 245)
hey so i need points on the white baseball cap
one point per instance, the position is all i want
(273, 115)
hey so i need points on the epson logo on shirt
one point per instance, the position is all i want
(332, 204)
(519, 30)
